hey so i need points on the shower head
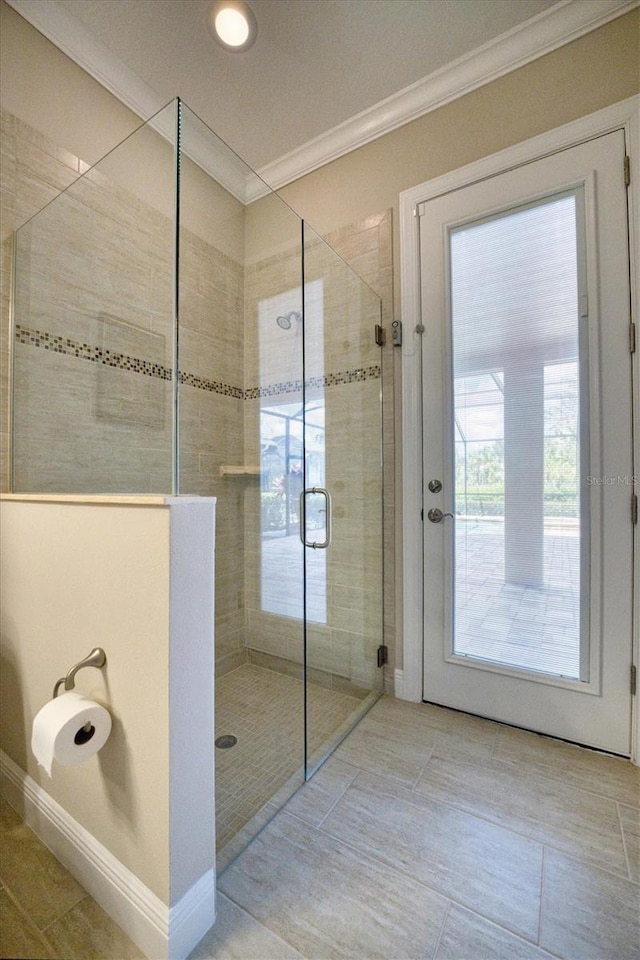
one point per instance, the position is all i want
(285, 322)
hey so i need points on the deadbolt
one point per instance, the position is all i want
(435, 486)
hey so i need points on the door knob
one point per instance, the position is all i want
(437, 516)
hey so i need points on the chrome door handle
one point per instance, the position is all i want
(437, 516)
(315, 544)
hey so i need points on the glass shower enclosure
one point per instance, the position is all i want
(179, 330)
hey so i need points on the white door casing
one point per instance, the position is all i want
(409, 680)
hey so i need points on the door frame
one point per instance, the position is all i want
(624, 115)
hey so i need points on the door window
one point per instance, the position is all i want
(519, 437)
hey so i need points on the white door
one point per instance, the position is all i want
(527, 428)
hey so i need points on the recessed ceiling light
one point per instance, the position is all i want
(232, 24)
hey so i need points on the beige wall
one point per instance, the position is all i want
(134, 577)
(43, 87)
(75, 577)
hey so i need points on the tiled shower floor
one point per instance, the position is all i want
(265, 711)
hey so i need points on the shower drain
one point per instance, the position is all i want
(226, 741)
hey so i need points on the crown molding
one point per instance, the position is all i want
(560, 24)
(551, 29)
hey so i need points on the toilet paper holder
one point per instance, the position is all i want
(97, 658)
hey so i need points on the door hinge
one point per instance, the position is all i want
(379, 335)
(634, 508)
(627, 171)
(632, 337)
(634, 674)
(383, 655)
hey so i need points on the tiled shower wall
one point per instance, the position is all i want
(93, 345)
(129, 406)
(34, 171)
(212, 419)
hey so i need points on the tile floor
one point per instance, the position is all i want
(432, 834)
(428, 834)
(44, 913)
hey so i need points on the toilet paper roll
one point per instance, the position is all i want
(70, 729)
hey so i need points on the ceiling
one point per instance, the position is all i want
(323, 75)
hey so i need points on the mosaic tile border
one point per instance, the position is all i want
(356, 375)
(213, 386)
(84, 351)
(121, 361)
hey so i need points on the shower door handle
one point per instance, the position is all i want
(316, 544)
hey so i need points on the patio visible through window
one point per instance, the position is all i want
(517, 433)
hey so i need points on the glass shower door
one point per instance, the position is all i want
(341, 504)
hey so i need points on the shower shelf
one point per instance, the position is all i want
(229, 470)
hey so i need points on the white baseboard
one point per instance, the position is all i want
(192, 916)
(408, 688)
(162, 933)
